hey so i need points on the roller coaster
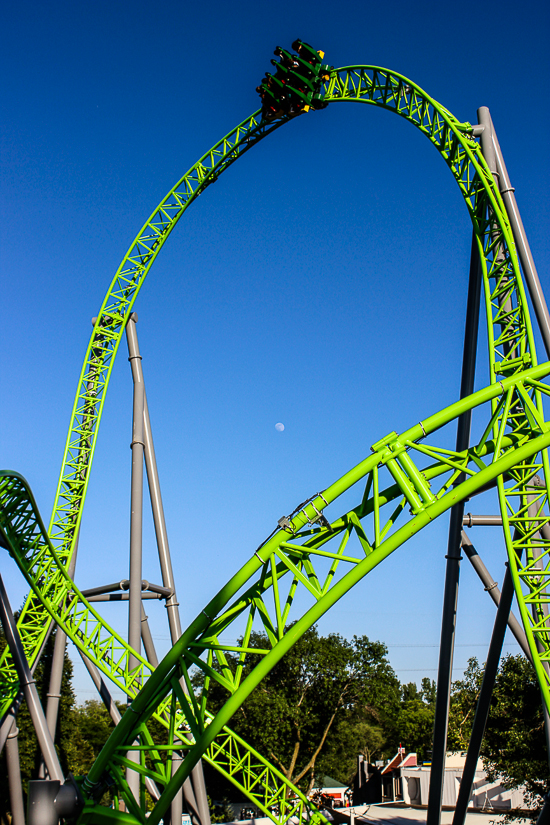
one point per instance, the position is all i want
(316, 553)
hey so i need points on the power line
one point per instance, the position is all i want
(465, 644)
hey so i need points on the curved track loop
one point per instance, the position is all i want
(515, 422)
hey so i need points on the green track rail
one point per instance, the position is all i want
(511, 453)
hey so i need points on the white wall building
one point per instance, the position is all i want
(411, 784)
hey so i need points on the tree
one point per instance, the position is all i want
(95, 726)
(464, 695)
(514, 746)
(326, 698)
(415, 721)
(220, 811)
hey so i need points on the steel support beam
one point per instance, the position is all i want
(162, 592)
(199, 788)
(56, 678)
(470, 520)
(101, 688)
(56, 672)
(136, 521)
(159, 521)
(29, 687)
(136, 516)
(11, 715)
(196, 797)
(450, 597)
(488, 149)
(112, 709)
(520, 237)
(14, 778)
(9, 720)
(496, 521)
(123, 597)
(54, 690)
(491, 587)
(176, 807)
(484, 700)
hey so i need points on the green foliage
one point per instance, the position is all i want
(325, 700)
(95, 727)
(220, 811)
(352, 735)
(464, 696)
(413, 726)
(514, 746)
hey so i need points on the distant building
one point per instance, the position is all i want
(332, 790)
(405, 781)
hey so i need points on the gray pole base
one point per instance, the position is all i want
(14, 778)
(49, 801)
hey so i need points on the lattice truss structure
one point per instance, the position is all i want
(316, 553)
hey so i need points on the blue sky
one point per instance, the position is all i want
(321, 283)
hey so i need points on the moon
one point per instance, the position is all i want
(279, 427)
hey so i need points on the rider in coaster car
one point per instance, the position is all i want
(307, 52)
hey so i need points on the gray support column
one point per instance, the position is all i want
(484, 700)
(488, 150)
(14, 778)
(112, 709)
(200, 806)
(136, 520)
(9, 719)
(136, 517)
(160, 526)
(56, 673)
(101, 688)
(29, 687)
(147, 639)
(450, 597)
(142, 439)
(491, 587)
(56, 677)
(522, 244)
(199, 787)
(176, 807)
(486, 140)
(54, 691)
(470, 520)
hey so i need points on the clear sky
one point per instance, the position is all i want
(321, 283)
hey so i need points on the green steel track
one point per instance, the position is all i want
(405, 483)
